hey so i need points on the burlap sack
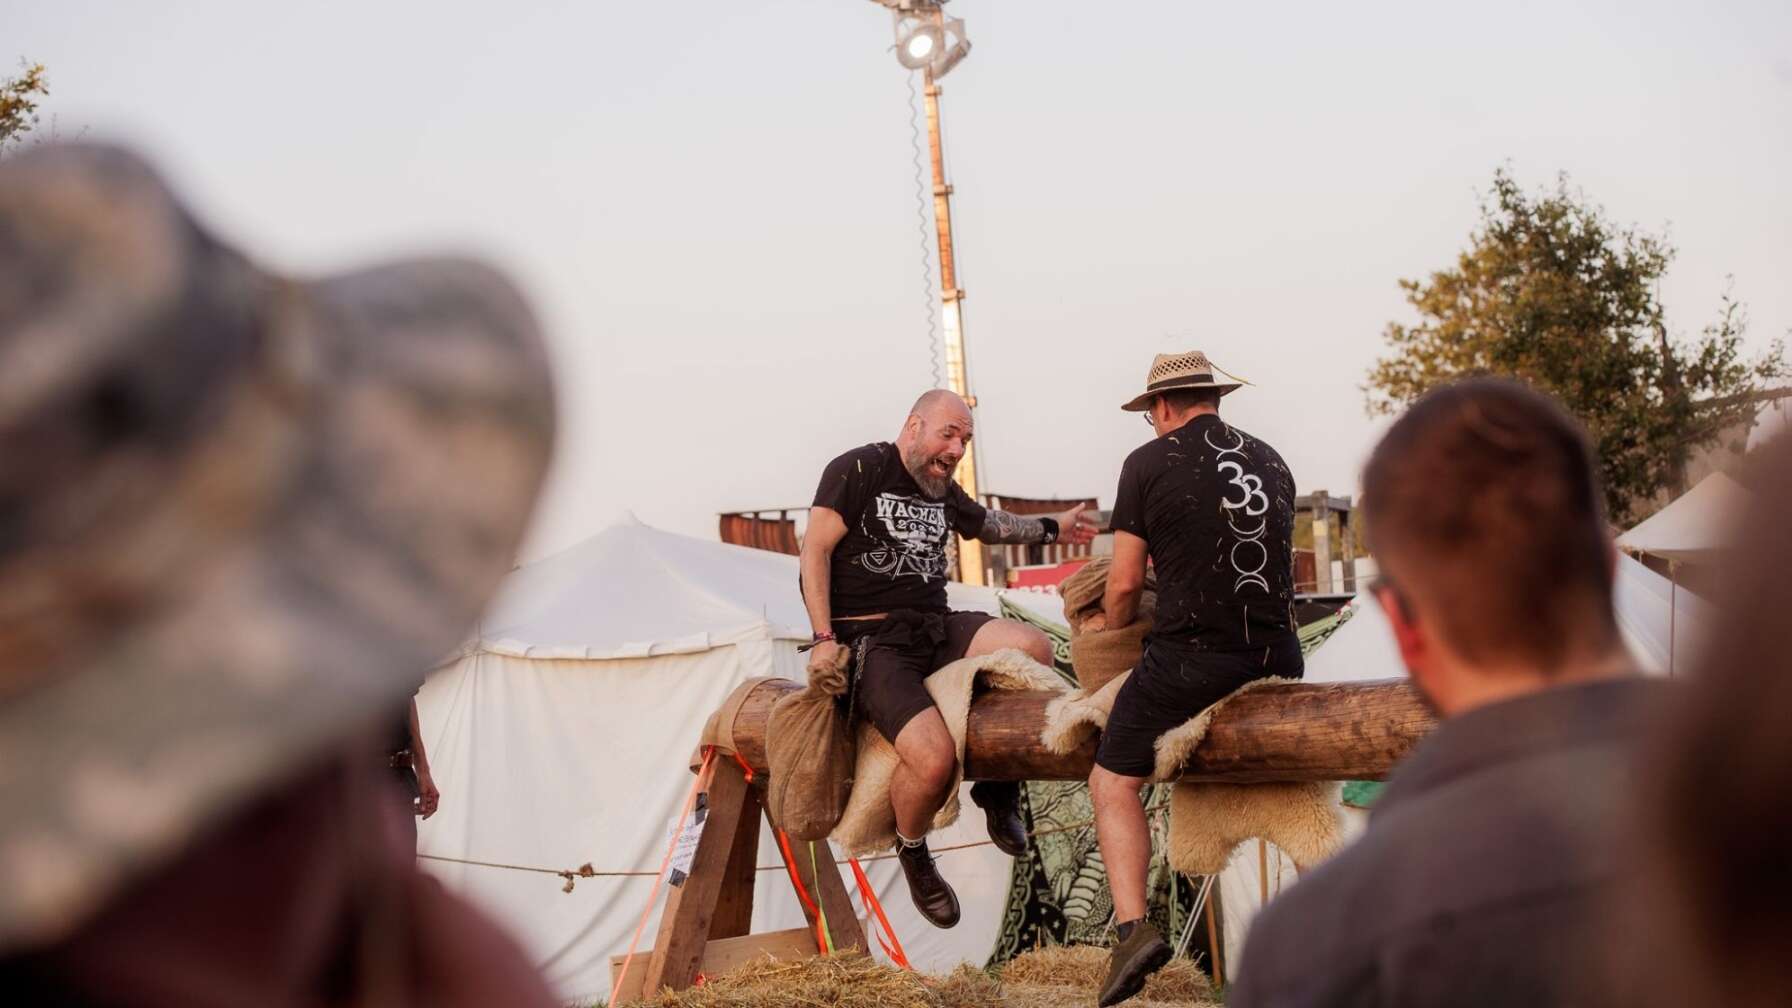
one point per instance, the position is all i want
(1098, 656)
(810, 750)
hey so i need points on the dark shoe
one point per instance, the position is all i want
(933, 897)
(1001, 810)
(1143, 953)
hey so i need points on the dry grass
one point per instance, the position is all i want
(842, 981)
(1083, 967)
(1045, 978)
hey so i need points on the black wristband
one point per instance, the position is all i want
(1051, 530)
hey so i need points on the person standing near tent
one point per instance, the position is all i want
(1493, 849)
(1212, 508)
(408, 760)
(874, 579)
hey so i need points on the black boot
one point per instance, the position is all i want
(1001, 810)
(932, 895)
(1140, 954)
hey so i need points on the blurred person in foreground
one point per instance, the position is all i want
(1492, 849)
(236, 524)
(1712, 923)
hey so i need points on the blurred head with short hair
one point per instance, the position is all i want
(1715, 912)
(1484, 515)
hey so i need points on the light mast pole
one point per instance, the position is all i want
(971, 566)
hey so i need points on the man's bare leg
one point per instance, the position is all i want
(1006, 633)
(1125, 839)
(920, 785)
(929, 761)
(1000, 800)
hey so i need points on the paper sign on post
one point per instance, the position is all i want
(684, 851)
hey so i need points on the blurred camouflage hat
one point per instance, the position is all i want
(240, 514)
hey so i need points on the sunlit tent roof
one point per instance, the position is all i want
(1660, 627)
(634, 591)
(1696, 527)
(1773, 421)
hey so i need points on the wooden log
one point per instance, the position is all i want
(1292, 732)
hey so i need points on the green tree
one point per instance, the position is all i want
(18, 103)
(1551, 292)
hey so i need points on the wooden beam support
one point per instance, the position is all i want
(822, 881)
(1293, 732)
(734, 904)
(691, 908)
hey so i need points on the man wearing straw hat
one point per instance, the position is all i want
(1212, 508)
(238, 518)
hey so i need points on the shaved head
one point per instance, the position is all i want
(936, 435)
(934, 400)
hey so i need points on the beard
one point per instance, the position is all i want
(926, 471)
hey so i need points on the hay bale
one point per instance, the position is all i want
(1055, 977)
(1083, 967)
(967, 987)
(849, 980)
(1059, 966)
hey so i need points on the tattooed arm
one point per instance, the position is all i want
(1003, 527)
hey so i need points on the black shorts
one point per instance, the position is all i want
(1170, 685)
(892, 658)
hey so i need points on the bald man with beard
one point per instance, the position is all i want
(874, 579)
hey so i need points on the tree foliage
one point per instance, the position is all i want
(1551, 292)
(18, 103)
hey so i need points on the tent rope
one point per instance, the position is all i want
(585, 871)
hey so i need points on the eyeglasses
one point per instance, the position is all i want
(1150, 421)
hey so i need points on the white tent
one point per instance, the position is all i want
(1773, 421)
(560, 737)
(1696, 527)
(1660, 626)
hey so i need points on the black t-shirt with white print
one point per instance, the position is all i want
(894, 553)
(1215, 507)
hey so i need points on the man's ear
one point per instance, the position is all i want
(1409, 634)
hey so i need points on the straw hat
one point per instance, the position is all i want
(1187, 370)
(240, 514)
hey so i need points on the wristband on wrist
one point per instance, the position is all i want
(825, 635)
(1051, 530)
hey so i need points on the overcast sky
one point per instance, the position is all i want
(713, 204)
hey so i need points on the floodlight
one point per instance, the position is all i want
(922, 44)
(918, 41)
(960, 48)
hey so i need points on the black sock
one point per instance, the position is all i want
(1125, 928)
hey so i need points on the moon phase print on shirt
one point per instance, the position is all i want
(1253, 503)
